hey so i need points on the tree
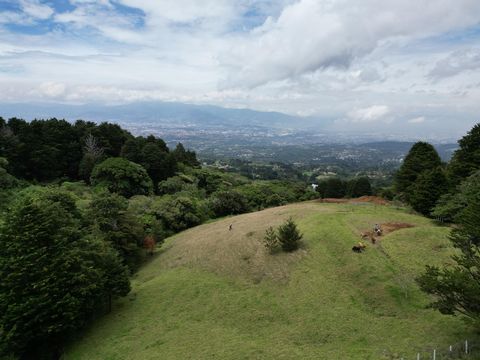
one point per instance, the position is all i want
(289, 236)
(427, 189)
(7, 181)
(359, 187)
(465, 160)
(93, 153)
(225, 203)
(456, 288)
(159, 164)
(186, 157)
(450, 205)
(421, 157)
(122, 176)
(111, 222)
(332, 188)
(52, 281)
(180, 213)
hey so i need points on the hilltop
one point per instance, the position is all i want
(210, 293)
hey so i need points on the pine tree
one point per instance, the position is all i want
(466, 160)
(289, 236)
(456, 289)
(421, 157)
(428, 188)
(53, 278)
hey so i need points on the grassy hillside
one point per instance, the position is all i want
(211, 293)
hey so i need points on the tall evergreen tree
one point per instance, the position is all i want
(421, 157)
(428, 188)
(465, 160)
(456, 288)
(51, 279)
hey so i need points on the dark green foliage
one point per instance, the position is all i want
(359, 187)
(173, 185)
(263, 194)
(153, 154)
(332, 188)
(456, 289)
(289, 236)
(209, 181)
(111, 222)
(123, 177)
(186, 157)
(450, 205)
(180, 213)
(228, 203)
(427, 189)
(421, 157)
(7, 181)
(53, 278)
(46, 150)
(159, 164)
(466, 160)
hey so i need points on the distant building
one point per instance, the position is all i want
(314, 187)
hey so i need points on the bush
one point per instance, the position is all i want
(270, 240)
(289, 236)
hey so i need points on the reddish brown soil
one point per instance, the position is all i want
(387, 228)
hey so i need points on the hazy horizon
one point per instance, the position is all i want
(389, 67)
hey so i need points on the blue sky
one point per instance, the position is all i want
(404, 65)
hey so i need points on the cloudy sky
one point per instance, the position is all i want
(399, 64)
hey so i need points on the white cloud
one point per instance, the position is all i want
(369, 114)
(325, 58)
(36, 9)
(311, 35)
(417, 120)
(456, 63)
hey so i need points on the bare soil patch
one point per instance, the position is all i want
(387, 228)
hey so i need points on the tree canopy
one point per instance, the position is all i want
(421, 157)
(53, 277)
(121, 176)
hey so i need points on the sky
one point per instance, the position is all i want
(404, 65)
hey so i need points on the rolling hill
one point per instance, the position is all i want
(211, 293)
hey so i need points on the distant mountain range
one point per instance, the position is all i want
(159, 113)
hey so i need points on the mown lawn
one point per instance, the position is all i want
(211, 293)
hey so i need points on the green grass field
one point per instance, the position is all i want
(210, 293)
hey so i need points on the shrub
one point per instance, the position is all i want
(270, 240)
(289, 236)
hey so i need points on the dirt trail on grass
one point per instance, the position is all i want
(387, 228)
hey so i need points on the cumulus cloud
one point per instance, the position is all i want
(311, 35)
(327, 58)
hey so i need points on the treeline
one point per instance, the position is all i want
(47, 150)
(449, 192)
(81, 206)
(339, 188)
(434, 188)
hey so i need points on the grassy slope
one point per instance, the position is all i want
(215, 294)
